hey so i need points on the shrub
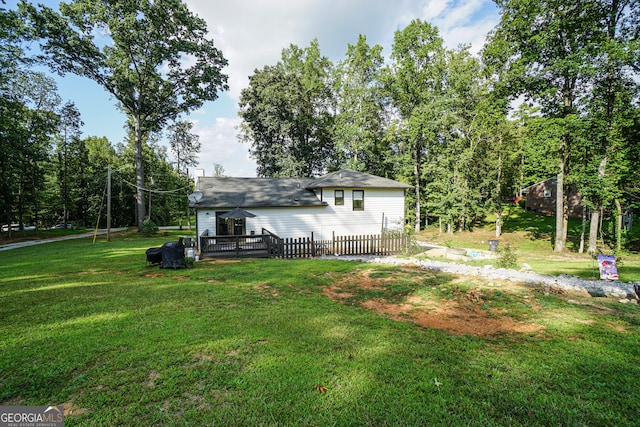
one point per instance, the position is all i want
(149, 227)
(507, 257)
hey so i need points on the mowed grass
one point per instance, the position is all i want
(255, 342)
(530, 236)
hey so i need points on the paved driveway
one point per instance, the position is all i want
(69, 237)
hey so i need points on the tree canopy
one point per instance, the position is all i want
(154, 57)
(451, 124)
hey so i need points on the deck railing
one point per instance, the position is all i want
(271, 245)
(255, 245)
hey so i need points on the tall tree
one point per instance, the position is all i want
(185, 147)
(69, 165)
(462, 141)
(414, 82)
(153, 56)
(611, 109)
(12, 108)
(35, 125)
(497, 160)
(100, 155)
(287, 114)
(360, 118)
(543, 48)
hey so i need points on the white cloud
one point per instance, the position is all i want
(220, 145)
(434, 8)
(255, 32)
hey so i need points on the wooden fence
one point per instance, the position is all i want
(296, 248)
(269, 244)
(375, 244)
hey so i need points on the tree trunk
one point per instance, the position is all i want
(497, 195)
(584, 227)
(595, 215)
(562, 217)
(141, 211)
(618, 225)
(560, 211)
(565, 214)
(6, 193)
(416, 172)
(594, 225)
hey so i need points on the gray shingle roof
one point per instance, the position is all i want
(352, 179)
(228, 192)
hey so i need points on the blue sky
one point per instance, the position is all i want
(252, 34)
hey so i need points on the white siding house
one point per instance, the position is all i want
(341, 203)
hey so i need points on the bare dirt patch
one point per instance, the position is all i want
(151, 379)
(220, 261)
(460, 313)
(265, 289)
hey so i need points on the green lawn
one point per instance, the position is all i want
(254, 342)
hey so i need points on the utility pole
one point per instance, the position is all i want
(108, 203)
(150, 185)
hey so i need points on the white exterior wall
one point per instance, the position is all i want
(379, 205)
(295, 222)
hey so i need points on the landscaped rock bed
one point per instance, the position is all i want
(601, 288)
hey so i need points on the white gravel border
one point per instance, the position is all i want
(598, 288)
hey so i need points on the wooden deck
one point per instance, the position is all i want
(269, 245)
(255, 246)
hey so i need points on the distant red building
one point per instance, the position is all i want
(541, 197)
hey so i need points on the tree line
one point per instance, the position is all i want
(136, 51)
(554, 93)
(448, 122)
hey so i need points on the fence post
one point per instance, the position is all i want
(312, 247)
(268, 245)
(333, 243)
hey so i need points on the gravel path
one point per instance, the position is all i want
(616, 289)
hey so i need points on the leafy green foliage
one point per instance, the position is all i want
(142, 64)
(286, 113)
(576, 60)
(507, 257)
(414, 82)
(360, 120)
(149, 228)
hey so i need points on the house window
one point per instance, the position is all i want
(339, 197)
(358, 200)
